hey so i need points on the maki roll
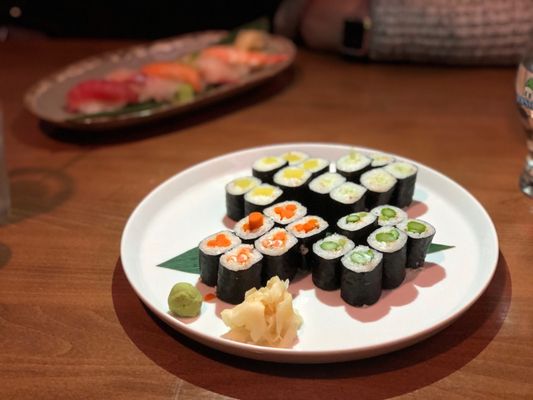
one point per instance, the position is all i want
(353, 165)
(326, 260)
(405, 173)
(252, 226)
(238, 272)
(319, 189)
(261, 197)
(210, 250)
(357, 226)
(280, 254)
(235, 191)
(307, 230)
(380, 185)
(294, 157)
(380, 159)
(389, 215)
(419, 236)
(346, 199)
(391, 242)
(316, 166)
(362, 270)
(293, 182)
(285, 212)
(265, 167)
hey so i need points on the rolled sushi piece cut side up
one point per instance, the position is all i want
(293, 181)
(307, 230)
(316, 166)
(346, 199)
(285, 212)
(353, 165)
(405, 173)
(260, 197)
(391, 242)
(319, 189)
(326, 260)
(357, 226)
(235, 191)
(380, 159)
(252, 226)
(388, 215)
(280, 254)
(380, 185)
(295, 157)
(239, 271)
(265, 167)
(211, 248)
(419, 237)
(361, 277)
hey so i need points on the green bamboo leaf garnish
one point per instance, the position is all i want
(436, 247)
(184, 262)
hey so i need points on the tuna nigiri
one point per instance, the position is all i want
(99, 95)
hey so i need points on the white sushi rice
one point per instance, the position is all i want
(238, 189)
(229, 259)
(294, 157)
(350, 264)
(269, 236)
(348, 193)
(254, 196)
(345, 246)
(322, 225)
(400, 216)
(326, 182)
(354, 161)
(365, 219)
(269, 163)
(401, 169)
(380, 159)
(292, 176)
(378, 180)
(387, 247)
(430, 229)
(248, 235)
(217, 250)
(299, 213)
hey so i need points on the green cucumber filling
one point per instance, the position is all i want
(352, 218)
(362, 257)
(387, 213)
(330, 245)
(416, 227)
(388, 237)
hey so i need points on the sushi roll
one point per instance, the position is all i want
(280, 254)
(238, 272)
(389, 215)
(209, 255)
(326, 260)
(361, 276)
(392, 243)
(405, 173)
(380, 159)
(307, 230)
(419, 236)
(293, 182)
(285, 212)
(235, 191)
(357, 226)
(294, 157)
(316, 166)
(353, 165)
(252, 226)
(265, 167)
(261, 197)
(346, 199)
(319, 189)
(380, 185)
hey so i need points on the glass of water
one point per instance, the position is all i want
(524, 99)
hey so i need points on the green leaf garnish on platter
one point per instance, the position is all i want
(184, 262)
(436, 247)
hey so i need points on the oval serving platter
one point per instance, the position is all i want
(46, 98)
(163, 226)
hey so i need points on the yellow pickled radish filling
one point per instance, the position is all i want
(292, 157)
(242, 183)
(263, 191)
(311, 164)
(293, 173)
(270, 160)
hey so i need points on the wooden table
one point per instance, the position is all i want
(71, 325)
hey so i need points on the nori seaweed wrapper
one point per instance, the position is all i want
(404, 191)
(284, 265)
(235, 206)
(208, 267)
(394, 268)
(326, 273)
(374, 199)
(353, 176)
(338, 209)
(232, 285)
(358, 236)
(417, 249)
(268, 176)
(361, 288)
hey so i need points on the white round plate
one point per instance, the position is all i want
(191, 205)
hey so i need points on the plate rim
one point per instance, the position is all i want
(307, 356)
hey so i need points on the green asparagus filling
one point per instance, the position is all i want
(362, 257)
(387, 213)
(389, 236)
(330, 245)
(352, 218)
(416, 227)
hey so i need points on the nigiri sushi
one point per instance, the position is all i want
(98, 95)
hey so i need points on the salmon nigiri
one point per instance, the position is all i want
(174, 71)
(233, 55)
